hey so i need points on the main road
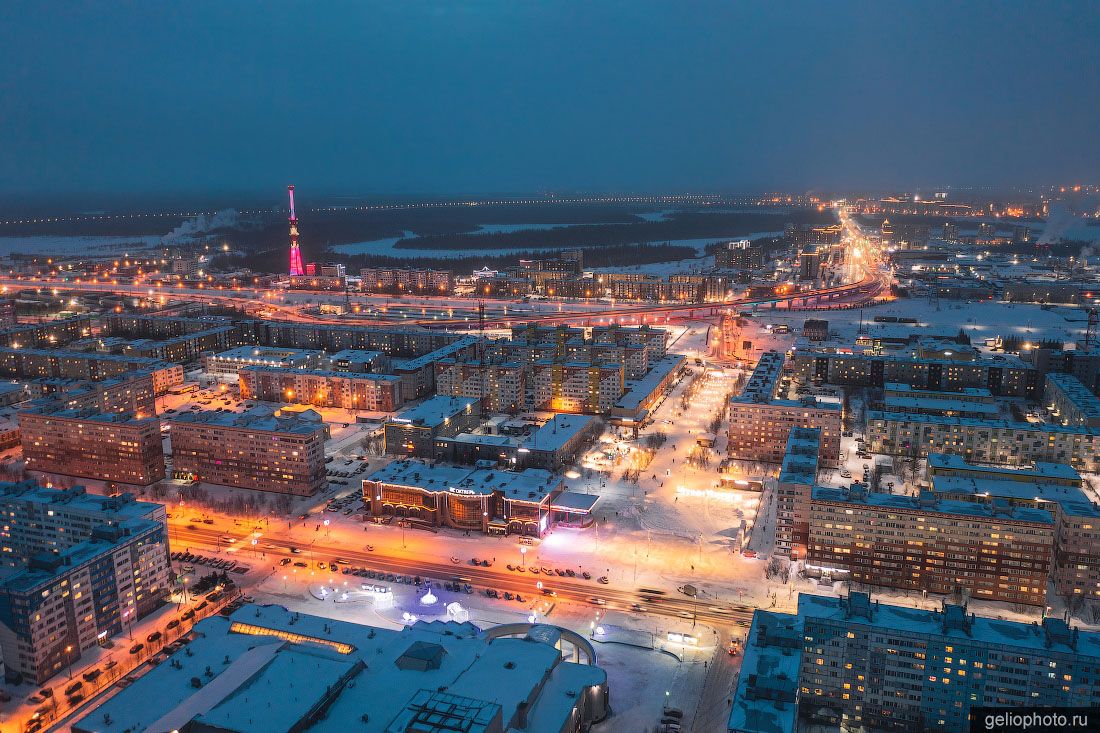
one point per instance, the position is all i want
(578, 590)
(258, 300)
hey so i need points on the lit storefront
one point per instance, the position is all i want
(481, 500)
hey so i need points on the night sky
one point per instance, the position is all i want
(464, 97)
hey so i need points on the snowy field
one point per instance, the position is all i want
(387, 246)
(105, 246)
(981, 320)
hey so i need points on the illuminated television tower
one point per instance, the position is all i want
(295, 253)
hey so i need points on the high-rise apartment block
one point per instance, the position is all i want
(877, 666)
(81, 568)
(760, 424)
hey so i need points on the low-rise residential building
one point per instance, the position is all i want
(996, 552)
(815, 329)
(859, 663)
(80, 567)
(1002, 442)
(346, 390)
(414, 430)
(256, 449)
(113, 447)
(1070, 402)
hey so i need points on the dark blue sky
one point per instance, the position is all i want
(469, 97)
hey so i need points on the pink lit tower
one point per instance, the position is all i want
(295, 253)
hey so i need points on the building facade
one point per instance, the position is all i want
(110, 447)
(345, 390)
(253, 450)
(414, 430)
(760, 424)
(882, 667)
(926, 543)
(86, 566)
(1001, 442)
(480, 500)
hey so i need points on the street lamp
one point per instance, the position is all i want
(69, 657)
(523, 556)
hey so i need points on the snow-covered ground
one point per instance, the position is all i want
(980, 320)
(85, 245)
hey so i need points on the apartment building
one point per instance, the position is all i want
(1076, 566)
(655, 338)
(1069, 402)
(357, 360)
(501, 387)
(996, 552)
(1002, 442)
(793, 491)
(345, 390)
(186, 348)
(83, 566)
(760, 424)
(1002, 375)
(46, 335)
(407, 280)
(740, 255)
(1059, 474)
(969, 402)
(878, 666)
(256, 449)
(633, 357)
(112, 447)
(581, 387)
(129, 393)
(26, 363)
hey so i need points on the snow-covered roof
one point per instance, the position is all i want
(266, 668)
(928, 503)
(556, 432)
(1037, 471)
(531, 484)
(1072, 499)
(642, 389)
(434, 411)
